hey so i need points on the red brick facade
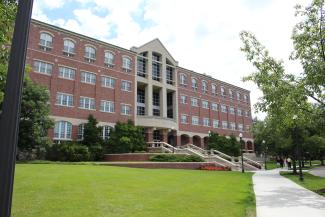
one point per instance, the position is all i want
(76, 88)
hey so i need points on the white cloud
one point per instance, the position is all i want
(201, 35)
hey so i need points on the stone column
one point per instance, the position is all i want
(163, 106)
(149, 99)
(149, 132)
(164, 134)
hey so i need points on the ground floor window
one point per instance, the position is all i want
(62, 130)
(105, 132)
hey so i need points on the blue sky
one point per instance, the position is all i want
(201, 35)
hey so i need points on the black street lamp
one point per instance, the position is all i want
(299, 146)
(242, 155)
(265, 154)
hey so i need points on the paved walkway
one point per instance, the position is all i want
(318, 171)
(277, 196)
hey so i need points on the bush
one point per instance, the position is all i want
(68, 152)
(175, 158)
(96, 152)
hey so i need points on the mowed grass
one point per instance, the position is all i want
(50, 190)
(311, 182)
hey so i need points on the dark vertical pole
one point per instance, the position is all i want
(242, 155)
(9, 121)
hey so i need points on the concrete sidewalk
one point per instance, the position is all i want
(318, 171)
(277, 196)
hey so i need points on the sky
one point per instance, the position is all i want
(202, 36)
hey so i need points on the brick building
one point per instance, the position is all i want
(145, 84)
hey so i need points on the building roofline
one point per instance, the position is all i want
(80, 35)
(211, 78)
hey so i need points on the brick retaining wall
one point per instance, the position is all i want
(130, 156)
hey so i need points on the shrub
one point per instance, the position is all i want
(175, 158)
(68, 152)
(96, 152)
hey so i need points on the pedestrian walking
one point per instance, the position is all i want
(289, 163)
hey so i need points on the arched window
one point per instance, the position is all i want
(81, 128)
(68, 47)
(222, 89)
(204, 87)
(214, 89)
(183, 79)
(109, 59)
(238, 96)
(90, 54)
(126, 64)
(231, 94)
(194, 84)
(46, 41)
(62, 130)
(105, 132)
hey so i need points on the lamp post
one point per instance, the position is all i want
(299, 146)
(265, 153)
(242, 155)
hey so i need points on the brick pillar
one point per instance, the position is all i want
(190, 140)
(178, 140)
(149, 132)
(164, 134)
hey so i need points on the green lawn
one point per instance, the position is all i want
(50, 190)
(311, 182)
(270, 165)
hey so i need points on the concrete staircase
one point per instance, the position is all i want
(215, 156)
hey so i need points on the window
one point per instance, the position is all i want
(240, 127)
(126, 85)
(169, 75)
(126, 64)
(105, 132)
(156, 103)
(81, 128)
(141, 106)
(214, 89)
(43, 68)
(248, 127)
(107, 106)
(214, 106)
(238, 96)
(184, 119)
(231, 110)
(142, 63)
(223, 94)
(87, 77)
(245, 98)
(231, 94)
(205, 104)
(87, 103)
(224, 108)
(183, 79)
(62, 130)
(90, 54)
(108, 59)
(194, 102)
(204, 87)
(206, 122)
(246, 113)
(67, 73)
(69, 48)
(108, 82)
(125, 109)
(215, 123)
(46, 41)
(232, 126)
(64, 99)
(195, 120)
(224, 125)
(156, 67)
(194, 84)
(239, 112)
(183, 99)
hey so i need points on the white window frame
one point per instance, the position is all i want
(48, 67)
(196, 123)
(184, 99)
(64, 126)
(71, 50)
(91, 103)
(205, 104)
(224, 109)
(60, 99)
(124, 111)
(107, 106)
(224, 124)
(109, 59)
(240, 127)
(67, 73)
(232, 126)
(88, 77)
(214, 106)
(90, 56)
(183, 79)
(213, 89)
(204, 87)
(231, 110)
(126, 64)
(48, 40)
(184, 121)
(215, 123)
(206, 122)
(108, 82)
(194, 84)
(127, 87)
(193, 99)
(105, 132)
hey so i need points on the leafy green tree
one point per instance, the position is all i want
(92, 133)
(34, 120)
(226, 145)
(125, 138)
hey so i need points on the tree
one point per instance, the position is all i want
(125, 138)
(92, 133)
(226, 145)
(34, 120)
